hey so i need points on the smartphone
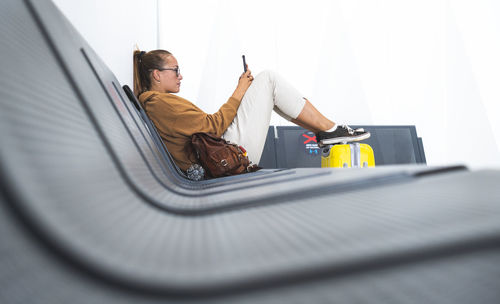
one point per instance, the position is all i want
(244, 63)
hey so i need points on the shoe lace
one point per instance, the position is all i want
(351, 130)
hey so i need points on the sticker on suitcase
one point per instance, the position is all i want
(308, 139)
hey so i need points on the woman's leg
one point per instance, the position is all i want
(249, 127)
(270, 91)
(267, 92)
(311, 119)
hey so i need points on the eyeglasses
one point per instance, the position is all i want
(177, 70)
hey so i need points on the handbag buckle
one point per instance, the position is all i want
(223, 163)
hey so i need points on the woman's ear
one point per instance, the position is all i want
(156, 75)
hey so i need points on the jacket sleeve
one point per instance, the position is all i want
(185, 119)
(194, 120)
(220, 120)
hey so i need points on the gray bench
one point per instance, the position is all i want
(290, 147)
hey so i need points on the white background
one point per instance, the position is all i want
(430, 63)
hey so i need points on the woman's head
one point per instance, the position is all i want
(156, 70)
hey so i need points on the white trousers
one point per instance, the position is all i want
(268, 92)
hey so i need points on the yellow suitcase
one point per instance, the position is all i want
(352, 155)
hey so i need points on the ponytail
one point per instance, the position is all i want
(139, 83)
(143, 64)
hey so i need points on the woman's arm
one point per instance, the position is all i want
(220, 121)
(244, 82)
(180, 116)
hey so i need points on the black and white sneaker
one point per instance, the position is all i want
(343, 134)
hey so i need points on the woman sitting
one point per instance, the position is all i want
(244, 119)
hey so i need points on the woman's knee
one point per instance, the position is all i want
(267, 74)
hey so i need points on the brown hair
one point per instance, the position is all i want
(144, 63)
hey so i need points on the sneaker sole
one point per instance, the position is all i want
(344, 140)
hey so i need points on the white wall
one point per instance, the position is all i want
(113, 27)
(430, 63)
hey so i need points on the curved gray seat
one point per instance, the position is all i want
(87, 200)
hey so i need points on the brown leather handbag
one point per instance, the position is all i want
(219, 157)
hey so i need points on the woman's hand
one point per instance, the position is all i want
(243, 83)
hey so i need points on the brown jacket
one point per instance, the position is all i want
(176, 119)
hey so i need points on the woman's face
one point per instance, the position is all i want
(170, 76)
